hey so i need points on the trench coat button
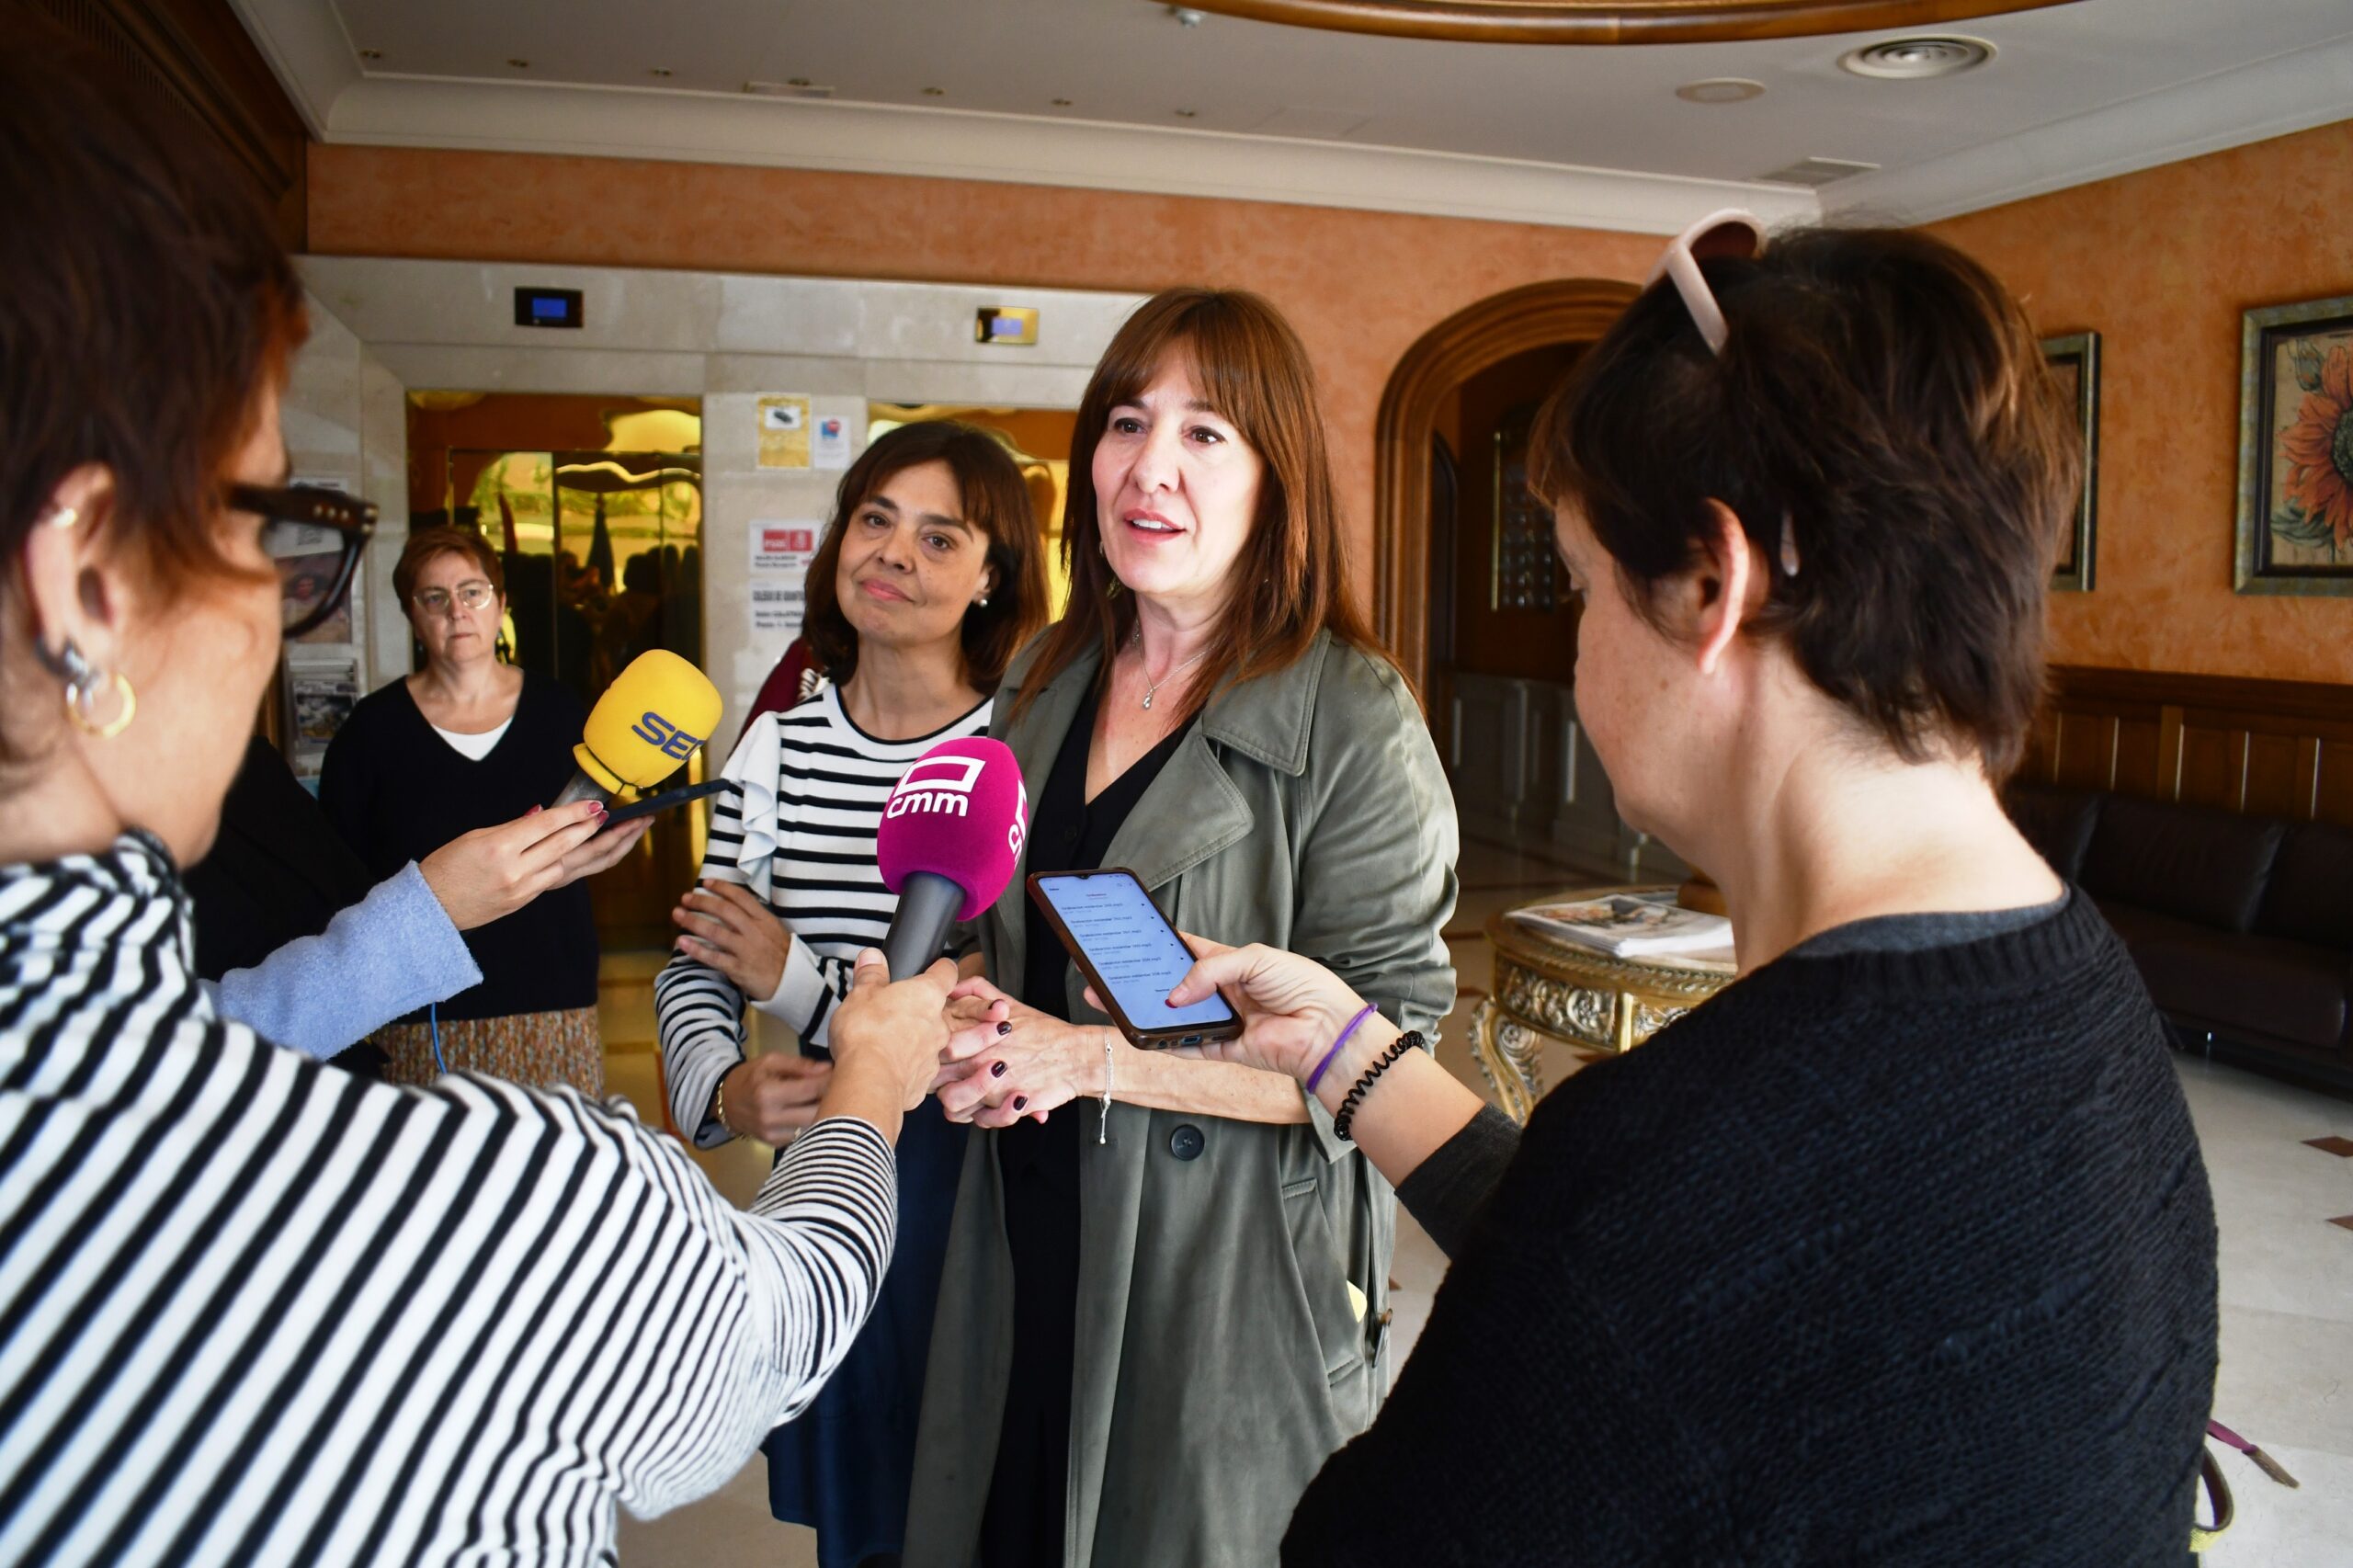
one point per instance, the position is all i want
(1186, 1142)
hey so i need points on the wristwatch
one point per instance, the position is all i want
(718, 1100)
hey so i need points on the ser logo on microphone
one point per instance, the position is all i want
(663, 736)
(939, 784)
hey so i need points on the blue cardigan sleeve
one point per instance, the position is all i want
(386, 956)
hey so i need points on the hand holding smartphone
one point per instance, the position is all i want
(1130, 955)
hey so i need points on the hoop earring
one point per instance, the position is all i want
(83, 683)
(81, 702)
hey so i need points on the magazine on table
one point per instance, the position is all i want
(1631, 924)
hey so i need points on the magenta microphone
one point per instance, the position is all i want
(950, 838)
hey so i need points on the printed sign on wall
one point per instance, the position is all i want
(781, 551)
(784, 430)
(831, 449)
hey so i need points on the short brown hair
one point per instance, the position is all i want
(1884, 394)
(426, 544)
(145, 305)
(995, 501)
(1291, 579)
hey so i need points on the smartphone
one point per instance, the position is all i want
(1130, 955)
(666, 800)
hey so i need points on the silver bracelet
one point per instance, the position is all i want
(1103, 1126)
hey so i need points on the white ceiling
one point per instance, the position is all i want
(1591, 135)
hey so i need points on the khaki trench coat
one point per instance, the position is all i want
(1220, 1360)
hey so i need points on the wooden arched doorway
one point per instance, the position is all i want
(1575, 310)
(1468, 597)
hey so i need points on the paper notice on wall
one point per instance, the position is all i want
(781, 551)
(784, 430)
(320, 695)
(830, 447)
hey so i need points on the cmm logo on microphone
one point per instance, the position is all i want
(663, 736)
(941, 786)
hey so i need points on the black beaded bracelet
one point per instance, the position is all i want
(1412, 1040)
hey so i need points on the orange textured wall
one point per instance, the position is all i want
(2162, 264)
(1360, 287)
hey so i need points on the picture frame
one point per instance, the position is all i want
(2295, 501)
(2074, 362)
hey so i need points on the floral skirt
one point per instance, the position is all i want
(545, 1050)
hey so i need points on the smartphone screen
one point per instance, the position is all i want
(1131, 945)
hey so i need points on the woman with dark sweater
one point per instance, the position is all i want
(466, 742)
(1900, 1249)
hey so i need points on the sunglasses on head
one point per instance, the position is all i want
(1730, 233)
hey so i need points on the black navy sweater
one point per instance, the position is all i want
(1879, 1257)
(397, 791)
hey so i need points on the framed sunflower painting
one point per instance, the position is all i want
(2296, 450)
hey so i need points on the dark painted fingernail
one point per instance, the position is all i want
(1005, 1029)
(1021, 1102)
(997, 1071)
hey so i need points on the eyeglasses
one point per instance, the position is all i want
(1740, 236)
(470, 594)
(314, 537)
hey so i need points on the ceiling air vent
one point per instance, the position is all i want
(1915, 59)
(793, 89)
(1815, 173)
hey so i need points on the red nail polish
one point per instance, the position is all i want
(997, 1071)
(1021, 1102)
(1005, 1029)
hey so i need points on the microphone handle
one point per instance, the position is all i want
(580, 788)
(927, 906)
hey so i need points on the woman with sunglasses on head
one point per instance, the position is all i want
(467, 742)
(255, 1309)
(1899, 1249)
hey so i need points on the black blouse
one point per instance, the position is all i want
(1040, 1164)
(397, 791)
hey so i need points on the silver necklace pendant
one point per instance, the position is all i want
(1147, 701)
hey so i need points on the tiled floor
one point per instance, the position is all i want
(2287, 1271)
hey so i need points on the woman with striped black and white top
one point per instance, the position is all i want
(929, 580)
(253, 1310)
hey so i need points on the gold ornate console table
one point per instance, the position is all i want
(1545, 987)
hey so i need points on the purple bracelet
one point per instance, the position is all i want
(1316, 1076)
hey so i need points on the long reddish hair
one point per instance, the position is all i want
(1291, 579)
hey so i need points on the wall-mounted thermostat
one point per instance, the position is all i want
(1014, 328)
(547, 307)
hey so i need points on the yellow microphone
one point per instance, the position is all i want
(649, 720)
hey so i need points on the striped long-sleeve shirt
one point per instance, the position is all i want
(799, 832)
(255, 1310)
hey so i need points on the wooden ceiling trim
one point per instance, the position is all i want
(1613, 21)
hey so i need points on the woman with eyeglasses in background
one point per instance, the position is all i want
(465, 742)
(291, 940)
(1898, 1249)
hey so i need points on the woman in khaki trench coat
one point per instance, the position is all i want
(1232, 1254)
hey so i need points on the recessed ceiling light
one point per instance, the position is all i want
(1186, 17)
(1917, 59)
(1721, 90)
(935, 92)
(520, 64)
